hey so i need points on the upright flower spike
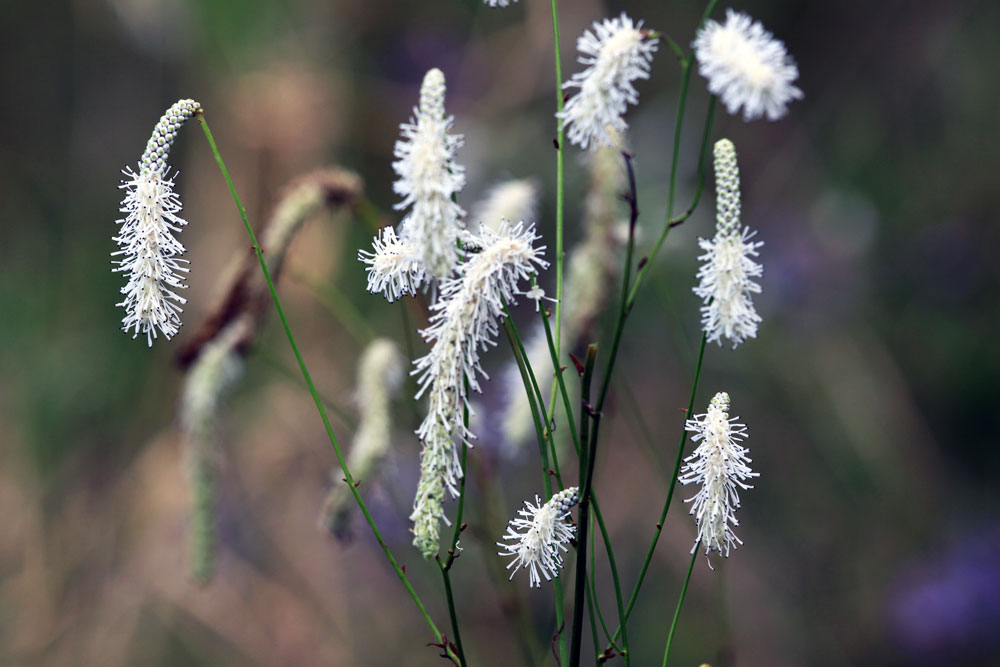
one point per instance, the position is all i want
(463, 322)
(746, 67)
(509, 200)
(536, 537)
(149, 252)
(428, 179)
(498, 3)
(617, 52)
(721, 466)
(725, 278)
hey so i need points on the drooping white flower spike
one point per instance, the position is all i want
(148, 250)
(725, 278)
(428, 178)
(746, 67)
(617, 52)
(464, 322)
(538, 537)
(720, 465)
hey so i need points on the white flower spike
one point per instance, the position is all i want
(428, 178)
(725, 278)
(746, 67)
(464, 322)
(721, 466)
(498, 3)
(617, 52)
(537, 537)
(149, 252)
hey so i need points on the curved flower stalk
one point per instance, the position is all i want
(509, 200)
(591, 266)
(149, 251)
(746, 67)
(720, 465)
(213, 355)
(725, 278)
(429, 177)
(463, 322)
(617, 52)
(379, 377)
(538, 537)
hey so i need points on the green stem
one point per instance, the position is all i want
(523, 367)
(670, 491)
(338, 305)
(453, 549)
(312, 388)
(560, 189)
(680, 603)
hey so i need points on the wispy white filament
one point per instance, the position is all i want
(395, 267)
(538, 537)
(428, 179)
(720, 465)
(725, 278)
(464, 321)
(617, 52)
(746, 67)
(149, 253)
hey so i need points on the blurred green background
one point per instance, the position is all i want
(873, 536)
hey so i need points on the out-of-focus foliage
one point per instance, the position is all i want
(873, 535)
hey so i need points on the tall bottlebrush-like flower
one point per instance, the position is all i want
(395, 267)
(498, 3)
(536, 537)
(590, 267)
(149, 253)
(725, 278)
(380, 374)
(746, 66)
(721, 466)
(464, 322)
(428, 179)
(617, 52)
(509, 200)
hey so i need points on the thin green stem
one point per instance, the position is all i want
(670, 491)
(680, 603)
(523, 368)
(312, 389)
(560, 186)
(453, 548)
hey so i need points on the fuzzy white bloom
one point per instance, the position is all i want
(617, 52)
(428, 178)
(510, 200)
(536, 537)
(498, 3)
(395, 268)
(746, 67)
(149, 252)
(463, 322)
(720, 465)
(379, 377)
(725, 278)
